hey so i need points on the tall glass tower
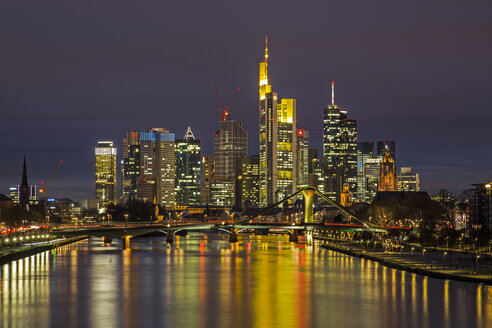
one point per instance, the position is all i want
(105, 172)
(187, 157)
(339, 148)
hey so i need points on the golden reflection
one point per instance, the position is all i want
(479, 306)
(425, 299)
(446, 302)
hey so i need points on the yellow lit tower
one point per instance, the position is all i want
(268, 135)
(278, 145)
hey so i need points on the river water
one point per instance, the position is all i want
(204, 281)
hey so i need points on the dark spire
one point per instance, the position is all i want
(24, 187)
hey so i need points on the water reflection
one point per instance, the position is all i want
(204, 281)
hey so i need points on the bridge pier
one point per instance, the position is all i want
(169, 236)
(126, 242)
(233, 237)
(308, 195)
(107, 240)
(309, 236)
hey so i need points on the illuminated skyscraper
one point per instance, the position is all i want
(339, 149)
(208, 169)
(286, 148)
(247, 181)
(230, 143)
(149, 166)
(278, 145)
(303, 162)
(105, 172)
(188, 159)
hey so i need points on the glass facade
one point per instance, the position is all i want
(188, 160)
(105, 172)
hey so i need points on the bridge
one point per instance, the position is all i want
(127, 231)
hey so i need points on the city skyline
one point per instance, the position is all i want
(410, 85)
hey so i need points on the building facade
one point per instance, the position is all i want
(387, 174)
(407, 180)
(105, 172)
(339, 150)
(188, 160)
(480, 207)
(248, 182)
(149, 166)
(303, 159)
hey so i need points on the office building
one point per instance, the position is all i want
(303, 162)
(408, 181)
(247, 182)
(149, 166)
(208, 169)
(480, 207)
(187, 157)
(105, 172)
(278, 144)
(339, 150)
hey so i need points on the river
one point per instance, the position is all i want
(204, 281)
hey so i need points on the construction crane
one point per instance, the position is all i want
(44, 187)
(223, 113)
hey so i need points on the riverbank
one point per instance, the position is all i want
(20, 253)
(416, 263)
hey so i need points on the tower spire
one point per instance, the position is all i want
(266, 49)
(24, 172)
(333, 93)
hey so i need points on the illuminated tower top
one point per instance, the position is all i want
(333, 93)
(263, 83)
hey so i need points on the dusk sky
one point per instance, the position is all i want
(75, 72)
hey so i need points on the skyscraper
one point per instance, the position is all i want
(278, 145)
(230, 143)
(408, 181)
(208, 169)
(105, 172)
(188, 159)
(149, 166)
(381, 148)
(286, 148)
(303, 162)
(365, 151)
(339, 149)
(247, 181)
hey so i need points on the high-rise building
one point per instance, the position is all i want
(387, 173)
(247, 181)
(208, 169)
(278, 145)
(303, 162)
(381, 148)
(105, 172)
(286, 148)
(230, 144)
(339, 149)
(365, 151)
(149, 166)
(480, 207)
(187, 157)
(408, 181)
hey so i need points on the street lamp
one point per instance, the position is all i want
(423, 252)
(444, 258)
(476, 263)
(126, 220)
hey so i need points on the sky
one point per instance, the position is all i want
(76, 72)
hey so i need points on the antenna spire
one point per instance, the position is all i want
(333, 93)
(266, 49)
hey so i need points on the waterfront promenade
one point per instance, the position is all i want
(431, 261)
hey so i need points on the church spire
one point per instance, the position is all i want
(24, 187)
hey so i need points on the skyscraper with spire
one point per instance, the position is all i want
(277, 141)
(187, 157)
(339, 150)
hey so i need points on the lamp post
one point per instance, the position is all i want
(444, 258)
(423, 252)
(476, 263)
(126, 220)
